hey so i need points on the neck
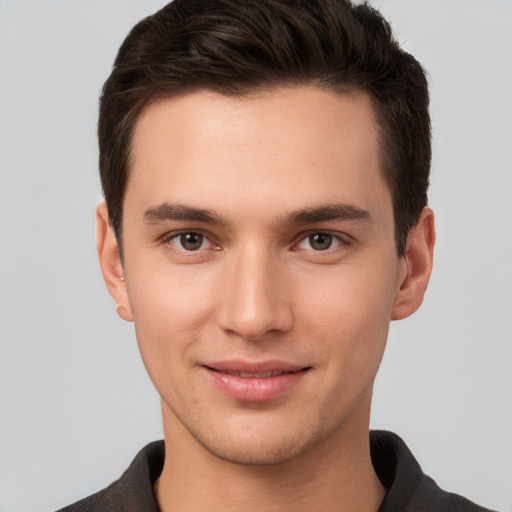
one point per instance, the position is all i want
(335, 475)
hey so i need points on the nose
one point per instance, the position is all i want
(255, 299)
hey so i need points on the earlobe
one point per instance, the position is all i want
(417, 261)
(110, 262)
(124, 313)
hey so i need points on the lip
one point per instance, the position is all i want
(254, 381)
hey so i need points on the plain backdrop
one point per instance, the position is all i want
(76, 404)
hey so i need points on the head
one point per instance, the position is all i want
(238, 48)
(265, 166)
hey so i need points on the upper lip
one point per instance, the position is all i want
(239, 365)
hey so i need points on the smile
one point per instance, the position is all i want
(256, 382)
(260, 375)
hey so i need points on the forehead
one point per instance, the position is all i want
(288, 147)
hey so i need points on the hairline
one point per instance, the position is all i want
(252, 92)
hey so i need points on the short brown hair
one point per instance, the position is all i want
(236, 47)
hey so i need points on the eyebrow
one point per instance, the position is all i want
(167, 211)
(322, 213)
(327, 212)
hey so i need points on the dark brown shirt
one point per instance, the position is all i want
(408, 488)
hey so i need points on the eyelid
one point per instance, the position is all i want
(168, 237)
(344, 239)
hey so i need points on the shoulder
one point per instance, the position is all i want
(408, 488)
(430, 497)
(133, 490)
(108, 500)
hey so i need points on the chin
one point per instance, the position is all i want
(257, 453)
(256, 446)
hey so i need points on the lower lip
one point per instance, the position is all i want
(255, 389)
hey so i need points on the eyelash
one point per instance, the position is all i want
(169, 238)
(342, 240)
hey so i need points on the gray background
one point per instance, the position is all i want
(76, 404)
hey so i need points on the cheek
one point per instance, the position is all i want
(350, 314)
(168, 296)
(169, 308)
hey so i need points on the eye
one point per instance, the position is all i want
(190, 241)
(319, 242)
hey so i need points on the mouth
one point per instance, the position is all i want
(254, 375)
(255, 382)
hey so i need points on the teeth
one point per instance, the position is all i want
(263, 375)
(247, 375)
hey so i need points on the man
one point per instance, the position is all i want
(265, 167)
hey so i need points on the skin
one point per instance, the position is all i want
(258, 289)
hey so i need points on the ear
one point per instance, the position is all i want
(110, 262)
(417, 263)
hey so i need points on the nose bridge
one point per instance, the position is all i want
(255, 301)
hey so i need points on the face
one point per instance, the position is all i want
(260, 267)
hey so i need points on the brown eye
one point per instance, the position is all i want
(320, 241)
(191, 241)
